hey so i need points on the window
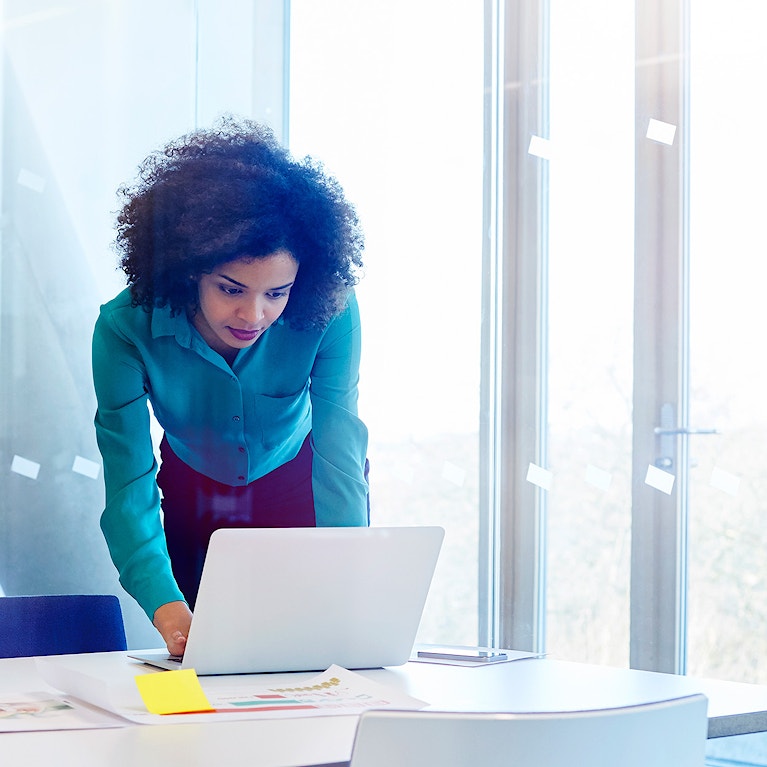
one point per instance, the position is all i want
(641, 540)
(727, 606)
(379, 95)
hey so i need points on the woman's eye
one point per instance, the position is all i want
(229, 290)
(281, 294)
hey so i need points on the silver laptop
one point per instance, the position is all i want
(303, 599)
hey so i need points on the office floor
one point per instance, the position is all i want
(738, 751)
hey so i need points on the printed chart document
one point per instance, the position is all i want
(336, 691)
(29, 711)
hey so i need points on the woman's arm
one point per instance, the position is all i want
(131, 519)
(339, 437)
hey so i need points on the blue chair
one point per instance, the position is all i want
(60, 625)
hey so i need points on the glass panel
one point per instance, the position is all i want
(591, 174)
(89, 88)
(380, 96)
(728, 537)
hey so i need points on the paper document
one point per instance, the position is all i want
(336, 691)
(29, 711)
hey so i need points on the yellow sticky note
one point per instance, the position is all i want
(173, 692)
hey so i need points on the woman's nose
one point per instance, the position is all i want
(252, 311)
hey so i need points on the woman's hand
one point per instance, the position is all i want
(172, 620)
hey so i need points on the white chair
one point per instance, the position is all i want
(670, 733)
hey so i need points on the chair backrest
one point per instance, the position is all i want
(60, 625)
(666, 734)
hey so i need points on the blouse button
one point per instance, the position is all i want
(240, 477)
(241, 449)
(235, 418)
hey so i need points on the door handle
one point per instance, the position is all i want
(662, 430)
(667, 431)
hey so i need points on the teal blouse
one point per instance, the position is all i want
(233, 424)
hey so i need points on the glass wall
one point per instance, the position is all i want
(728, 535)
(654, 208)
(389, 96)
(89, 88)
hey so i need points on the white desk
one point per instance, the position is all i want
(529, 685)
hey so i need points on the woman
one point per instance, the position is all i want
(240, 327)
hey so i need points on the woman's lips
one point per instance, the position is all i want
(244, 335)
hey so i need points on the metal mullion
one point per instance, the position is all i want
(514, 349)
(492, 333)
(660, 358)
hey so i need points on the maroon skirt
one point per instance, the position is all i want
(194, 506)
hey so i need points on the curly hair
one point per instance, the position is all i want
(229, 192)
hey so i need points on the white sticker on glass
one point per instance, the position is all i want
(540, 147)
(85, 467)
(659, 479)
(661, 132)
(31, 181)
(25, 467)
(539, 476)
(723, 480)
(453, 473)
(598, 477)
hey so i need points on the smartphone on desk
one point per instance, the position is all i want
(463, 654)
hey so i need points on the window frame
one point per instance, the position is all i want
(513, 399)
(661, 340)
(513, 527)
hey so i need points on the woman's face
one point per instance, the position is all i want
(241, 299)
